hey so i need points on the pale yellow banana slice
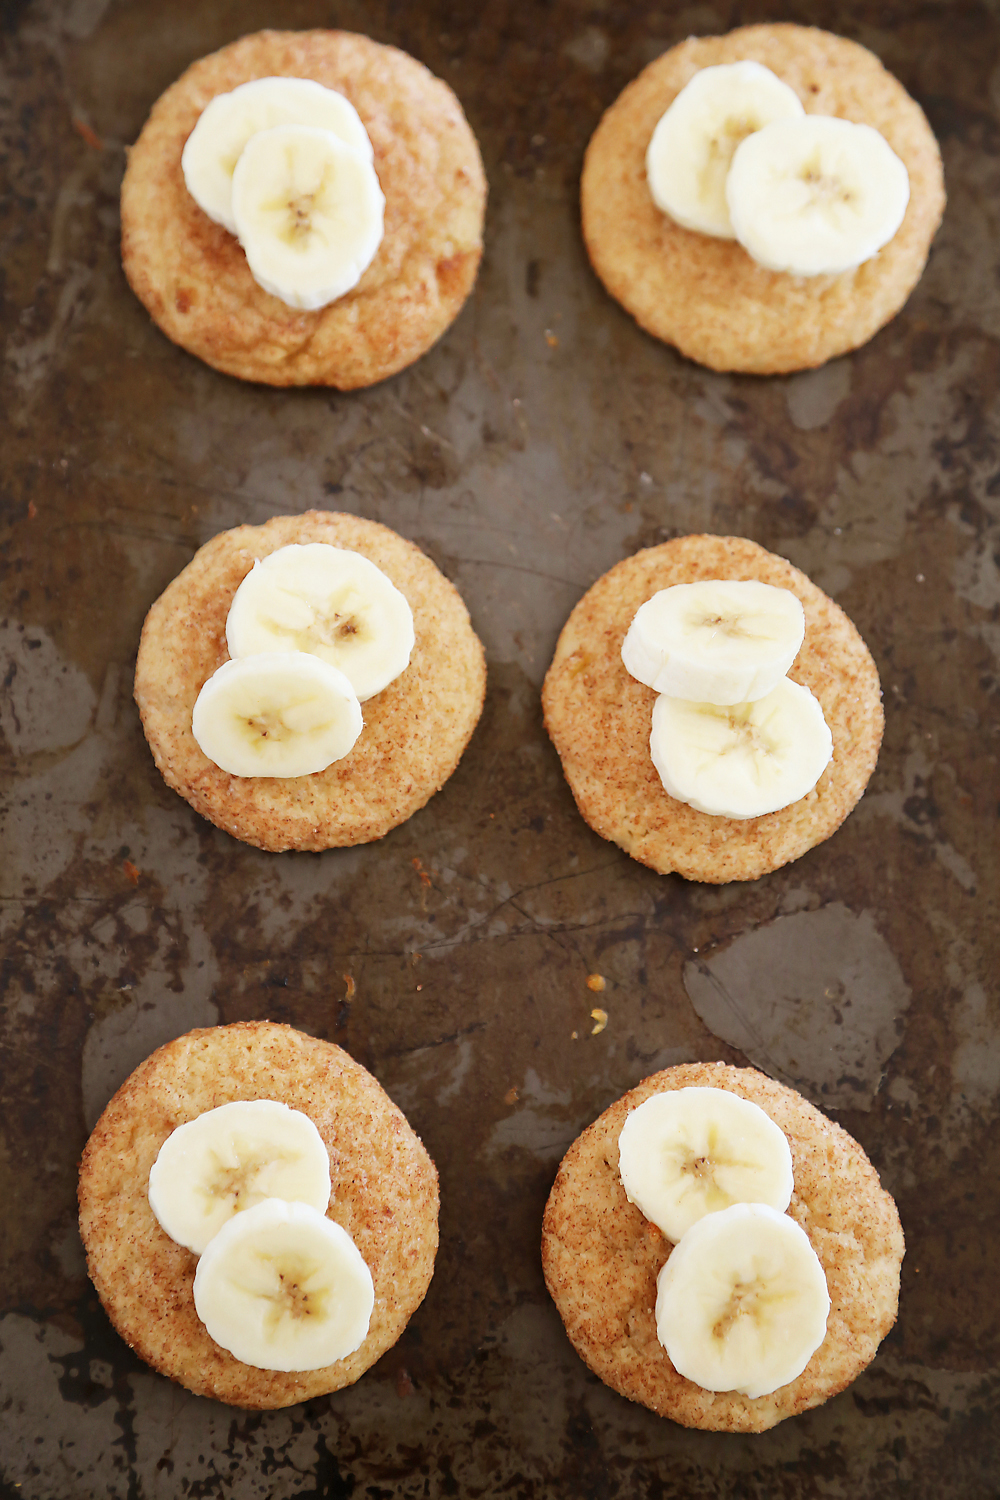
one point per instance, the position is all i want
(282, 713)
(816, 196)
(226, 124)
(224, 1161)
(692, 146)
(715, 641)
(282, 1287)
(744, 760)
(308, 213)
(742, 1303)
(690, 1152)
(328, 601)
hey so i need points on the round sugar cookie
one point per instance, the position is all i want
(193, 277)
(707, 296)
(384, 1193)
(598, 717)
(601, 1257)
(414, 730)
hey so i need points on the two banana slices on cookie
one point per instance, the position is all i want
(737, 157)
(286, 165)
(732, 735)
(245, 1187)
(313, 632)
(742, 1301)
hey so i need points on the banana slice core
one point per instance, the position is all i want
(721, 641)
(691, 149)
(279, 713)
(228, 1159)
(282, 1287)
(696, 1151)
(330, 602)
(816, 196)
(742, 1302)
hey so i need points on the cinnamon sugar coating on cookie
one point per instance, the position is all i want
(193, 277)
(415, 729)
(707, 296)
(598, 717)
(384, 1193)
(601, 1257)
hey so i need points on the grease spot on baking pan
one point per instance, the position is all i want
(814, 395)
(815, 999)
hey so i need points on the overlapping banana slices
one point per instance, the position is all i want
(278, 1284)
(736, 156)
(731, 734)
(313, 631)
(742, 1301)
(286, 165)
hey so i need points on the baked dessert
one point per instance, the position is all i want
(384, 1194)
(599, 716)
(602, 1257)
(706, 295)
(193, 276)
(415, 729)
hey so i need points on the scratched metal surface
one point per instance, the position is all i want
(543, 439)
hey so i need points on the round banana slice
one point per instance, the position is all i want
(227, 1159)
(696, 1151)
(716, 641)
(282, 713)
(742, 1302)
(308, 213)
(816, 196)
(692, 146)
(745, 759)
(226, 124)
(328, 601)
(282, 1287)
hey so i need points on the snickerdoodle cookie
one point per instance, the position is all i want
(414, 731)
(601, 1257)
(598, 717)
(192, 275)
(706, 295)
(384, 1193)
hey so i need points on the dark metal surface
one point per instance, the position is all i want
(543, 439)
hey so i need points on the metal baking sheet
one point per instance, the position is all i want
(544, 438)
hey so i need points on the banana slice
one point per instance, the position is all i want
(715, 641)
(282, 713)
(308, 212)
(743, 760)
(226, 124)
(742, 1303)
(328, 601)
(816, 196)
(282, 1287)
(224, 1161)
(692, 146)
(694, 1151)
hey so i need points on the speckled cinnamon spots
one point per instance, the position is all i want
(193, 277)
(415, 729)
(598, 716)
(384, 1193)
(601, 1257)
(707, 296)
